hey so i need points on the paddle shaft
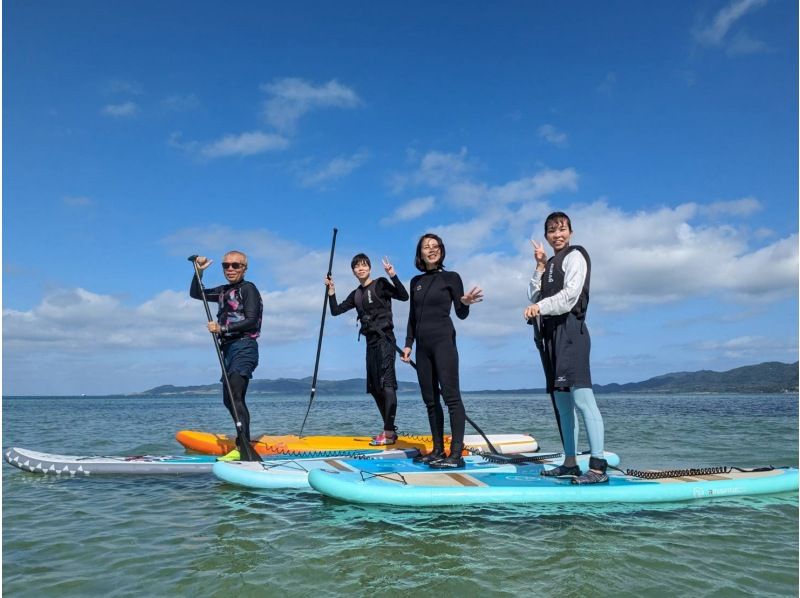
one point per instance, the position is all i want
(249, 453)
(538, 339)
(319, 340)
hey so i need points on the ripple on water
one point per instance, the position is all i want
(184, 536)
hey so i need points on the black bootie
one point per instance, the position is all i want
(598, 464)
(435, 455)
(454, 461)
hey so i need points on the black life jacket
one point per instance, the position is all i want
(553, 279)
(379, 317)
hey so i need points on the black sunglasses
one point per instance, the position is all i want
(232, 266)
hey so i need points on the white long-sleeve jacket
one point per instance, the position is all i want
(562, 302)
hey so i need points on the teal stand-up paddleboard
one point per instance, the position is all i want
(527, 486)
(293, 473)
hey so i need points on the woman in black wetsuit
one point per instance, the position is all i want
(429, 324)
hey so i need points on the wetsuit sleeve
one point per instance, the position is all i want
(411, 328)
(394, 289)
(457, 292)
(338, 309)
(211, 294)
(251, 307)
(535, 286)
(574, 277)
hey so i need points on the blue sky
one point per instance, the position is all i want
(138, 133)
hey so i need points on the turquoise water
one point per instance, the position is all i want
(195, 536)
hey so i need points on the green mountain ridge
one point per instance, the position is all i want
(768, 377)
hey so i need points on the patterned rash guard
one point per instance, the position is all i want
(240, 308)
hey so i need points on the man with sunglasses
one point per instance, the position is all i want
(238, 326)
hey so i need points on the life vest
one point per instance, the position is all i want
(553, 279)
(379, 317)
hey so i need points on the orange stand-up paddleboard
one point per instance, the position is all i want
(220, 444)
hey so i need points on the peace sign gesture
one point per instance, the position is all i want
(539, 255)
(387, 265)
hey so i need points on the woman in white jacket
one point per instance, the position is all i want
(559, 294)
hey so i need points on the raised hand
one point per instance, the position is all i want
(203, 262)
(387, 265)
(539, 255)
(474, 296)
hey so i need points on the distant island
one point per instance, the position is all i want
(769, 377)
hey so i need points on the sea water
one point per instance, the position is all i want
(197, 536)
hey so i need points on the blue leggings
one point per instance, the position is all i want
(580, 399)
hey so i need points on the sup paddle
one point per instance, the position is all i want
(538, 339)
(247, 452)
(319, 341)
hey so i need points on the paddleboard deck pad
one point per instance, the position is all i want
(527, 486)
(220, 444)
(293, 473)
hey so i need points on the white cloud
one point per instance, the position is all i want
(125, 87)
(335, 169)
(472, 235)
(82, 322)
(410, 210)
(435, 169)
(608, 84)
(664, 257)
(745, 206)
(181, 102)
(244, 144)
(291, 98)
(742, 44)
(453, 173)
(266, 250)
(747, 348)
(546, 182)
(552, 135)
(715, 32)
(77, 201)
(124, 110)
(641, 260)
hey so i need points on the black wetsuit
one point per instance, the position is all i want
(374, 306)
(239, 315)
(429, 324)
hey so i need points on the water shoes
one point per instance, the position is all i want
(234, 455)
(562, 471)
